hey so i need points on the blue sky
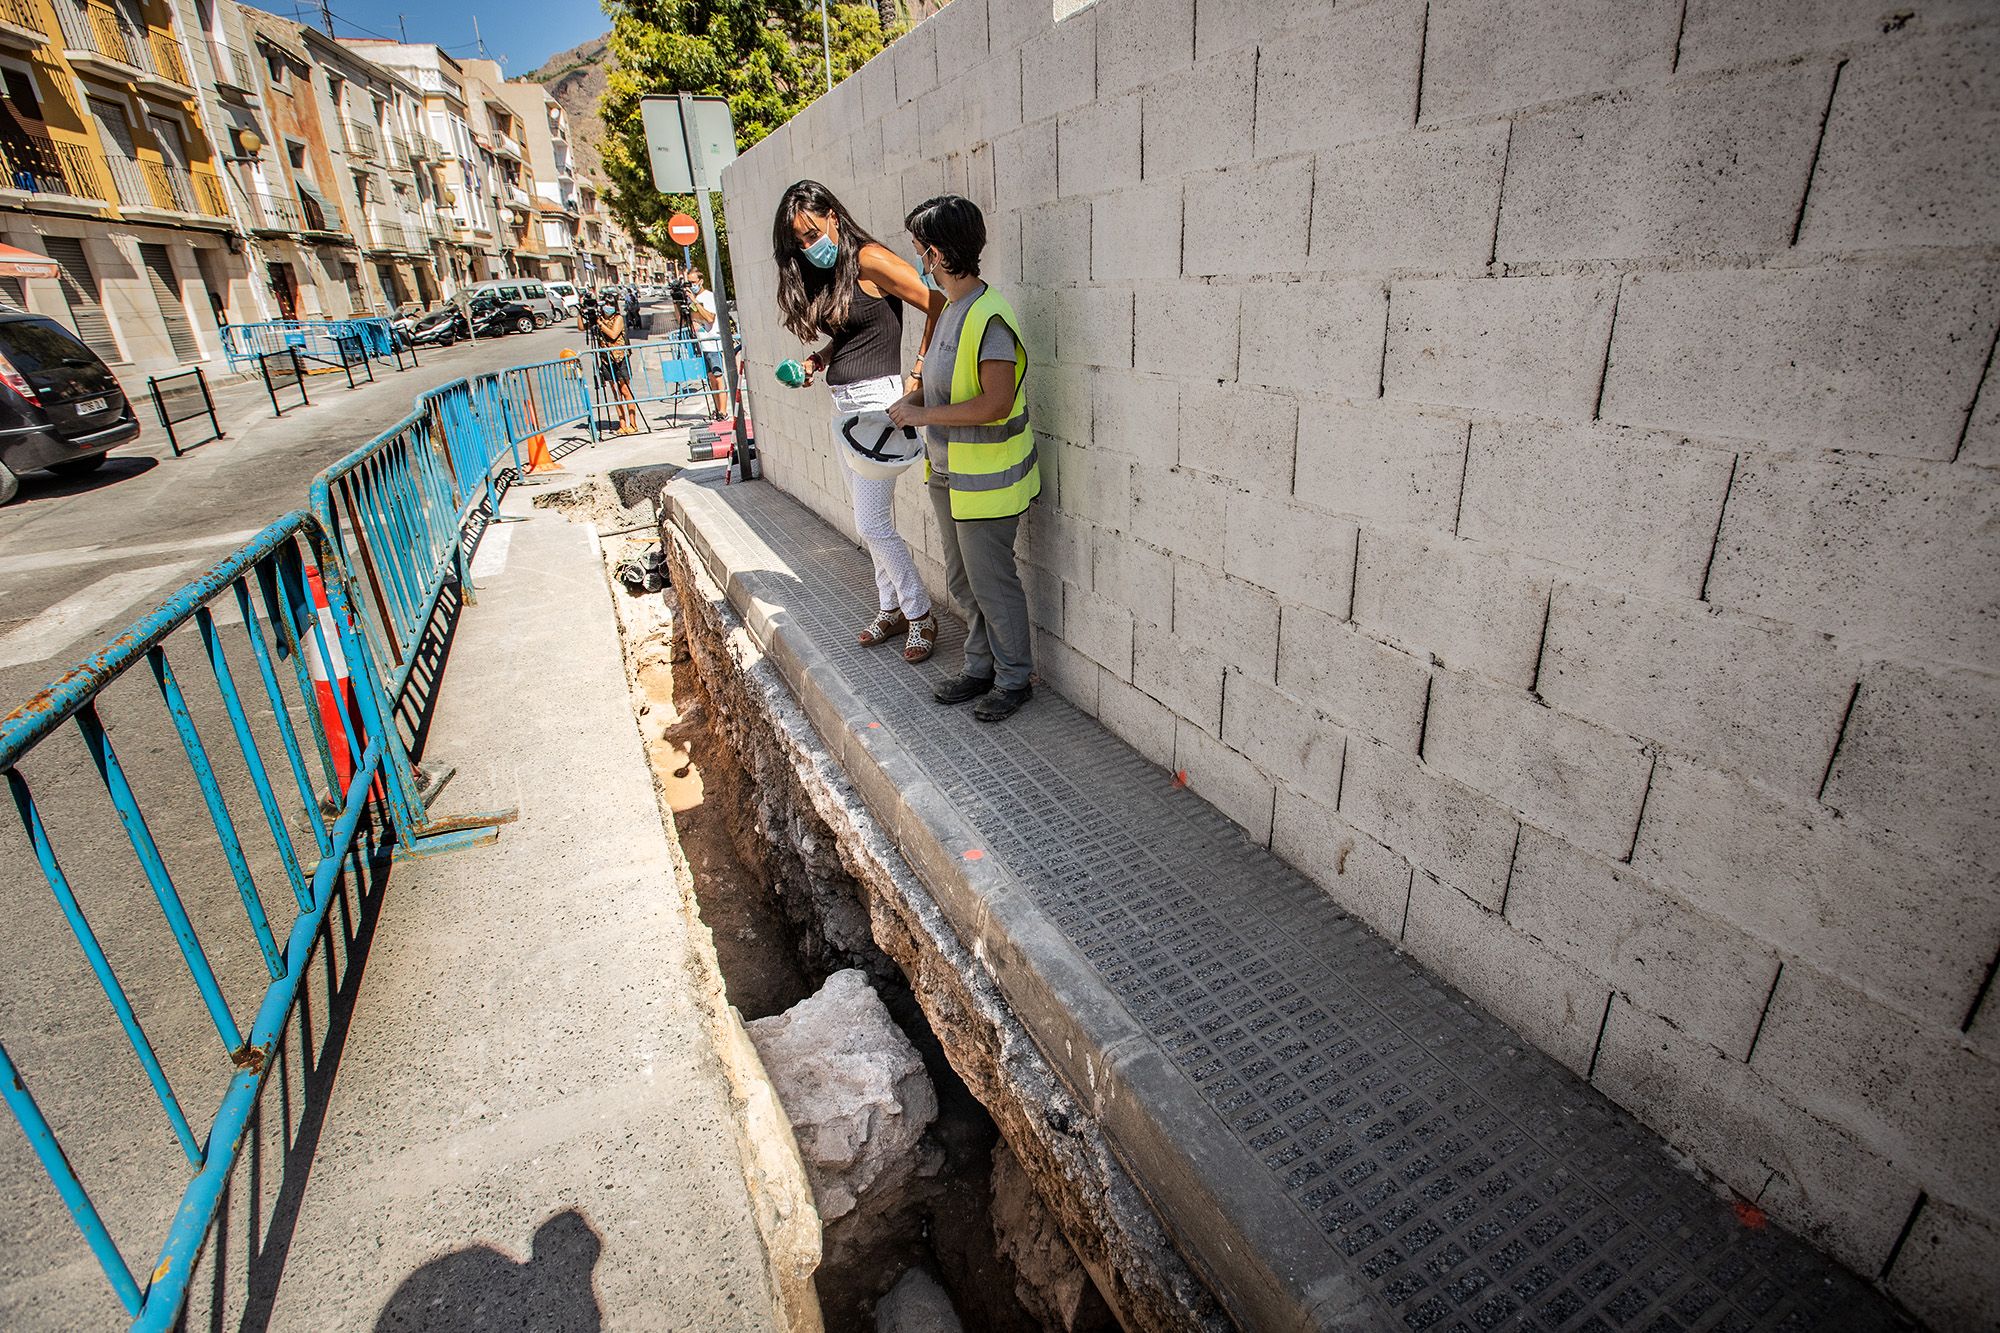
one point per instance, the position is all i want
(527, 32)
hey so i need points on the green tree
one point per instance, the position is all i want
(764, 56)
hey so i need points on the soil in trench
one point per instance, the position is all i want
(761, 958)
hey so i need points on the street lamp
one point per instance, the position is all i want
(826, 44)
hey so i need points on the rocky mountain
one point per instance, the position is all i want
(575, 78)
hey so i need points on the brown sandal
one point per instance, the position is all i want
(921, 640)
(886, 626)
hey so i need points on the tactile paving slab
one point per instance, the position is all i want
(1463, 1179)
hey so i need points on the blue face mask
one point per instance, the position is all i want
(930, 279)
(823, 252)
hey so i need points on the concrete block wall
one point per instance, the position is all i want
(1532, 464)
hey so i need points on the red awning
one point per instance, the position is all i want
(25, 264)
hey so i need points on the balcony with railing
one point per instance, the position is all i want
(21, 25)
(36, 164)
(362, 140)
(106, 39)
(232, 70)
(276, 213)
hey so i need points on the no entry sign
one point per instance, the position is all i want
(681, 229)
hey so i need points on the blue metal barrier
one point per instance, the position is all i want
(388, 529)
(269, 581)
(322, 338)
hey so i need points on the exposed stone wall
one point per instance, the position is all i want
(1531, 462)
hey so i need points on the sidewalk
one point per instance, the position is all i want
(1337, 1139)
(530, 1125)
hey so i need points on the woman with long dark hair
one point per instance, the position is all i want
(839, 285)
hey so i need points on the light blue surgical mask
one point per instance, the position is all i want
(823, 252)
(930, 280)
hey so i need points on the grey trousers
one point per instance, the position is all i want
(982, 578)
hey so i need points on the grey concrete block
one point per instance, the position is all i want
(1059, 68)
(1024, 165)
(1888, 555)
(1945, 1271)
(1221, 25)
(1282, 737)
(1238, 622)
(1495, 55)
(1137, 415)
(1180, 674)
(1001, 264)
(1321, 337)
(1059, 401)
(992, 97)
(1055, 242)
(902, 141)
(1139, 41)
(959, 31)
(1094, 326)
(1071, 673)
(1340, 77)
(1010, 23)
(1057, 541)
(1914, 1089)
(1100, 629)
(1226, 780)
(1752, 696)
(1038, 309)
(1423, 200)
(1133, 575)
(1474, 610)
(1671, 169)
(1441, 827)
(1243, 435)
(1356, 871)
(1723, 34)
(1808, 1175)
(1705, 977)
(1300, 554)
(1921, 756)
(1579, 780)
(1167, 316)
(1098, 147)
(1637, 512)
(1915, 930)
(1135, 717)
(1230, 237)
(1380, 462)
(1541, 995)
(1175, 510)
(1097, 486)
(914, 60)
(1136, 233)
(1197, 121)
(877, 79)
(1375, 690)
(1529, 345)
(1880, 358)
(1044, 590)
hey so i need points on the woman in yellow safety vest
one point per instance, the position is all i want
(979, 454)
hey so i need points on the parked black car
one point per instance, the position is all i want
(60, 408)
(490, 317)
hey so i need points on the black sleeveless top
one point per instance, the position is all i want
(871, 345)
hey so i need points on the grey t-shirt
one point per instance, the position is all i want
(996, 344)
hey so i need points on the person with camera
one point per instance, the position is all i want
(838, 283)
(611, 337)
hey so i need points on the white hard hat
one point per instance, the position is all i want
(875, 446)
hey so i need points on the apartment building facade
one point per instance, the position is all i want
(551, 161)
(110, 169)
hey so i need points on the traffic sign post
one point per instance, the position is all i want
(689, 140)
(682, 231)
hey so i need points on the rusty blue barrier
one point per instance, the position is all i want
(269, 585)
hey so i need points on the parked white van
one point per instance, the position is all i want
(530, 292)
(568, 294)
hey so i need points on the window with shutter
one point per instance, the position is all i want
(167, 293)
(79, 288)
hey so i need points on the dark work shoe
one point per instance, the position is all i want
(960, 688)
(1002, 704)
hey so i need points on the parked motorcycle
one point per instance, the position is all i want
(490, 319)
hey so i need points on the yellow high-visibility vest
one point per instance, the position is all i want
(994, 471)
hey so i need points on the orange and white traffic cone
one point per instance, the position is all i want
(539, 458)
(333, 687)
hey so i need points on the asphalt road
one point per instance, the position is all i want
(81, 557)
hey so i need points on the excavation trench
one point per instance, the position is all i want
(1019, 1210)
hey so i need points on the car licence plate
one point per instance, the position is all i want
(89, 405)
